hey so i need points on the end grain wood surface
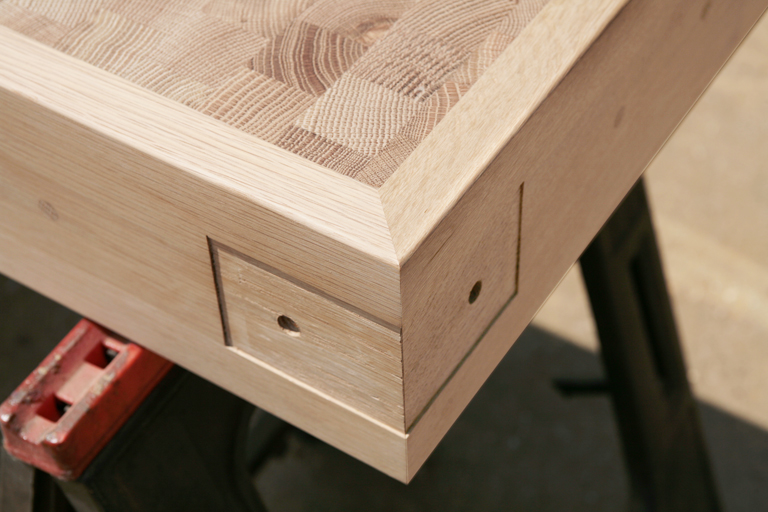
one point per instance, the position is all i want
(344, 212)
(352, 85)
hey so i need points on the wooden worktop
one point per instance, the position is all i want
(344, 212)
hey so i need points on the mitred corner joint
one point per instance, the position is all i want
(64, 413)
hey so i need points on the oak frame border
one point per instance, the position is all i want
(441, 169)
(339, 218)
(386, 226)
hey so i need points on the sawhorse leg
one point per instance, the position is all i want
(27, 489)
(183, 449)
(656, 413)
(124, 430)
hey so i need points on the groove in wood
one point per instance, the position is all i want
(110, 193)
(478, 242)
(304, 332)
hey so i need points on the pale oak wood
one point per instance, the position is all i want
(110, 195)
(428, 209)
(306, 200)
(607, 119)
(354, 86)
(456, 283)
(332, 347)
(429, 182)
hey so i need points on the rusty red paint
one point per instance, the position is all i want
(64, 413)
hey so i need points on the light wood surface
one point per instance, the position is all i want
(303, 332)
(354, 86)
(463, 275)
(632, 88)
(108, 194)
(428, 183)
(349, 311)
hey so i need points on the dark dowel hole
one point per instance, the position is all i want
(288, 325)
(474, 293)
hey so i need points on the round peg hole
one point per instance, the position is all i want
(288, 325)
(474, 293)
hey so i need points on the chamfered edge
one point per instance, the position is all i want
(440, 170)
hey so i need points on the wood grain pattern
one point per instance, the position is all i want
(108, 194)
(333, 347)
(270, 182)
(430, 181)
(464, 274)
(338, 83)
(631, 87)
(514, 135)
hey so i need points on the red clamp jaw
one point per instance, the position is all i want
(67, 410)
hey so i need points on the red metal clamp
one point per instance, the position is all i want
(67, 410)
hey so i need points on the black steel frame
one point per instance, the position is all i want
(658, 421)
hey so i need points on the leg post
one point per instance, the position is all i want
(656, 413)
(136, 433)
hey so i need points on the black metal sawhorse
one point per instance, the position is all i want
(185, 445)
(658, 421)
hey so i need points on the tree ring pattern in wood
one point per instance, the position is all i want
(354, 86)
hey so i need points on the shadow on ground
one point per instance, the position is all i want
(519, 445)
(30, 326)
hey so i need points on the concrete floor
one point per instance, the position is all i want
(520, 445)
